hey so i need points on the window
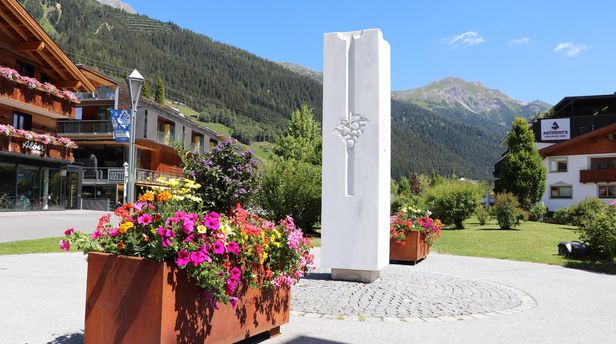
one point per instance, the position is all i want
(22, 121)
(561, 191)
(558, 165)
(607, 191)
(603, 163)
(25, 69)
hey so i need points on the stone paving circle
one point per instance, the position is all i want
(404, 294)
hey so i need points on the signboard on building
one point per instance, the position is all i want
(120, 119)
(115, 176)
(555, 129)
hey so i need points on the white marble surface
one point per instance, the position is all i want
(356, 150)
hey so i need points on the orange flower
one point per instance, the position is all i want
(164, 196)
(147, 197)
(121, 245)
(125, 227)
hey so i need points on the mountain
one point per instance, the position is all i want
(251, 95)
(119, 4)
(471, 102)
(301, 70)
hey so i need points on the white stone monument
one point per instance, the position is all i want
(356, 154)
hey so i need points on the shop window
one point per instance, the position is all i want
(561, 191)
(22, 121)
(607, 191)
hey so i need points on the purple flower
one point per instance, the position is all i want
(212, 223)
(198, 257)
(69, 231)
(97, 234)
(231, 286)
(233, 301)
(144, 219)
(219, 247)
(166, 235)
(114, 232)
(65, 245)
(235, 273)
(234, 248)
(183, 258)
(188, 227)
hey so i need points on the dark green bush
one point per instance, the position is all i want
(600, 233)
(537, 211)
(506, 210)
(562, 216)
(453, 201)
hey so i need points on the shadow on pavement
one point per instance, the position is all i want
(69, 338)
(592, 266)
(263, 337)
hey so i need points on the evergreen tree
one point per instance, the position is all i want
(523, 172)
(146, 90)
(159, 96)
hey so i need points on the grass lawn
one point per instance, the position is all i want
(531, 242)
(46, 245)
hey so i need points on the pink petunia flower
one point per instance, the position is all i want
(97, 234)
(199, 257)
(69, 231)
(65, 245)
(235, 273)
(231, 286)
(114, 232)
(183, 258)
(219, 247)
(144, 219)
(234, 248)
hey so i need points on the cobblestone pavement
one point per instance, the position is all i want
(403, 293)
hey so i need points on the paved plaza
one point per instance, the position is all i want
(444, 299)
(44, 224)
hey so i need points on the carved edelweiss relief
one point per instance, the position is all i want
(351, 128)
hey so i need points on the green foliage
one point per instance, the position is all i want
(146, 90)
(523, 173)
(453, 201)
(302, 140)
(562, 216)
(403, 195)
(483, 215)
(292, 187)
(599, 232)
(227, 176)
(506, 210)
(159, 94)
(537, 211)
(585, 211)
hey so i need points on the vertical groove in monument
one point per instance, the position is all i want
(350, 146)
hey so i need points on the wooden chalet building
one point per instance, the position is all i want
(37, 81)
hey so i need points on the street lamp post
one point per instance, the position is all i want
(135, 81)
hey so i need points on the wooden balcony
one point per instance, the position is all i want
(19, 145)
(598, 176)
(17, 95)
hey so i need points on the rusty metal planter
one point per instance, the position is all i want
(412, 250)
(136, 300)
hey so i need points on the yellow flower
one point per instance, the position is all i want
(226, 228)
(125, 227)
(201, 229)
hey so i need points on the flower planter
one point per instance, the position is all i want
(136, 300)
(412, 250)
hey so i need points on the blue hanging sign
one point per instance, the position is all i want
(120, 119)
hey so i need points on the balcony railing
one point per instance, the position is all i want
(151, 177)
(19, 95)
(79, 127)
(598, 176)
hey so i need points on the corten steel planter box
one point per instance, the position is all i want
(412, 250)
(135, 300)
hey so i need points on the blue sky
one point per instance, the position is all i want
(528, 49)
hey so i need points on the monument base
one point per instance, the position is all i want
(363, 276)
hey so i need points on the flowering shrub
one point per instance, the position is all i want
(32, 83)
(219, 252)
(409, 219)
(9, 130)
(227, 175)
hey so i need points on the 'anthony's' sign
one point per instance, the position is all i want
(555, 129)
